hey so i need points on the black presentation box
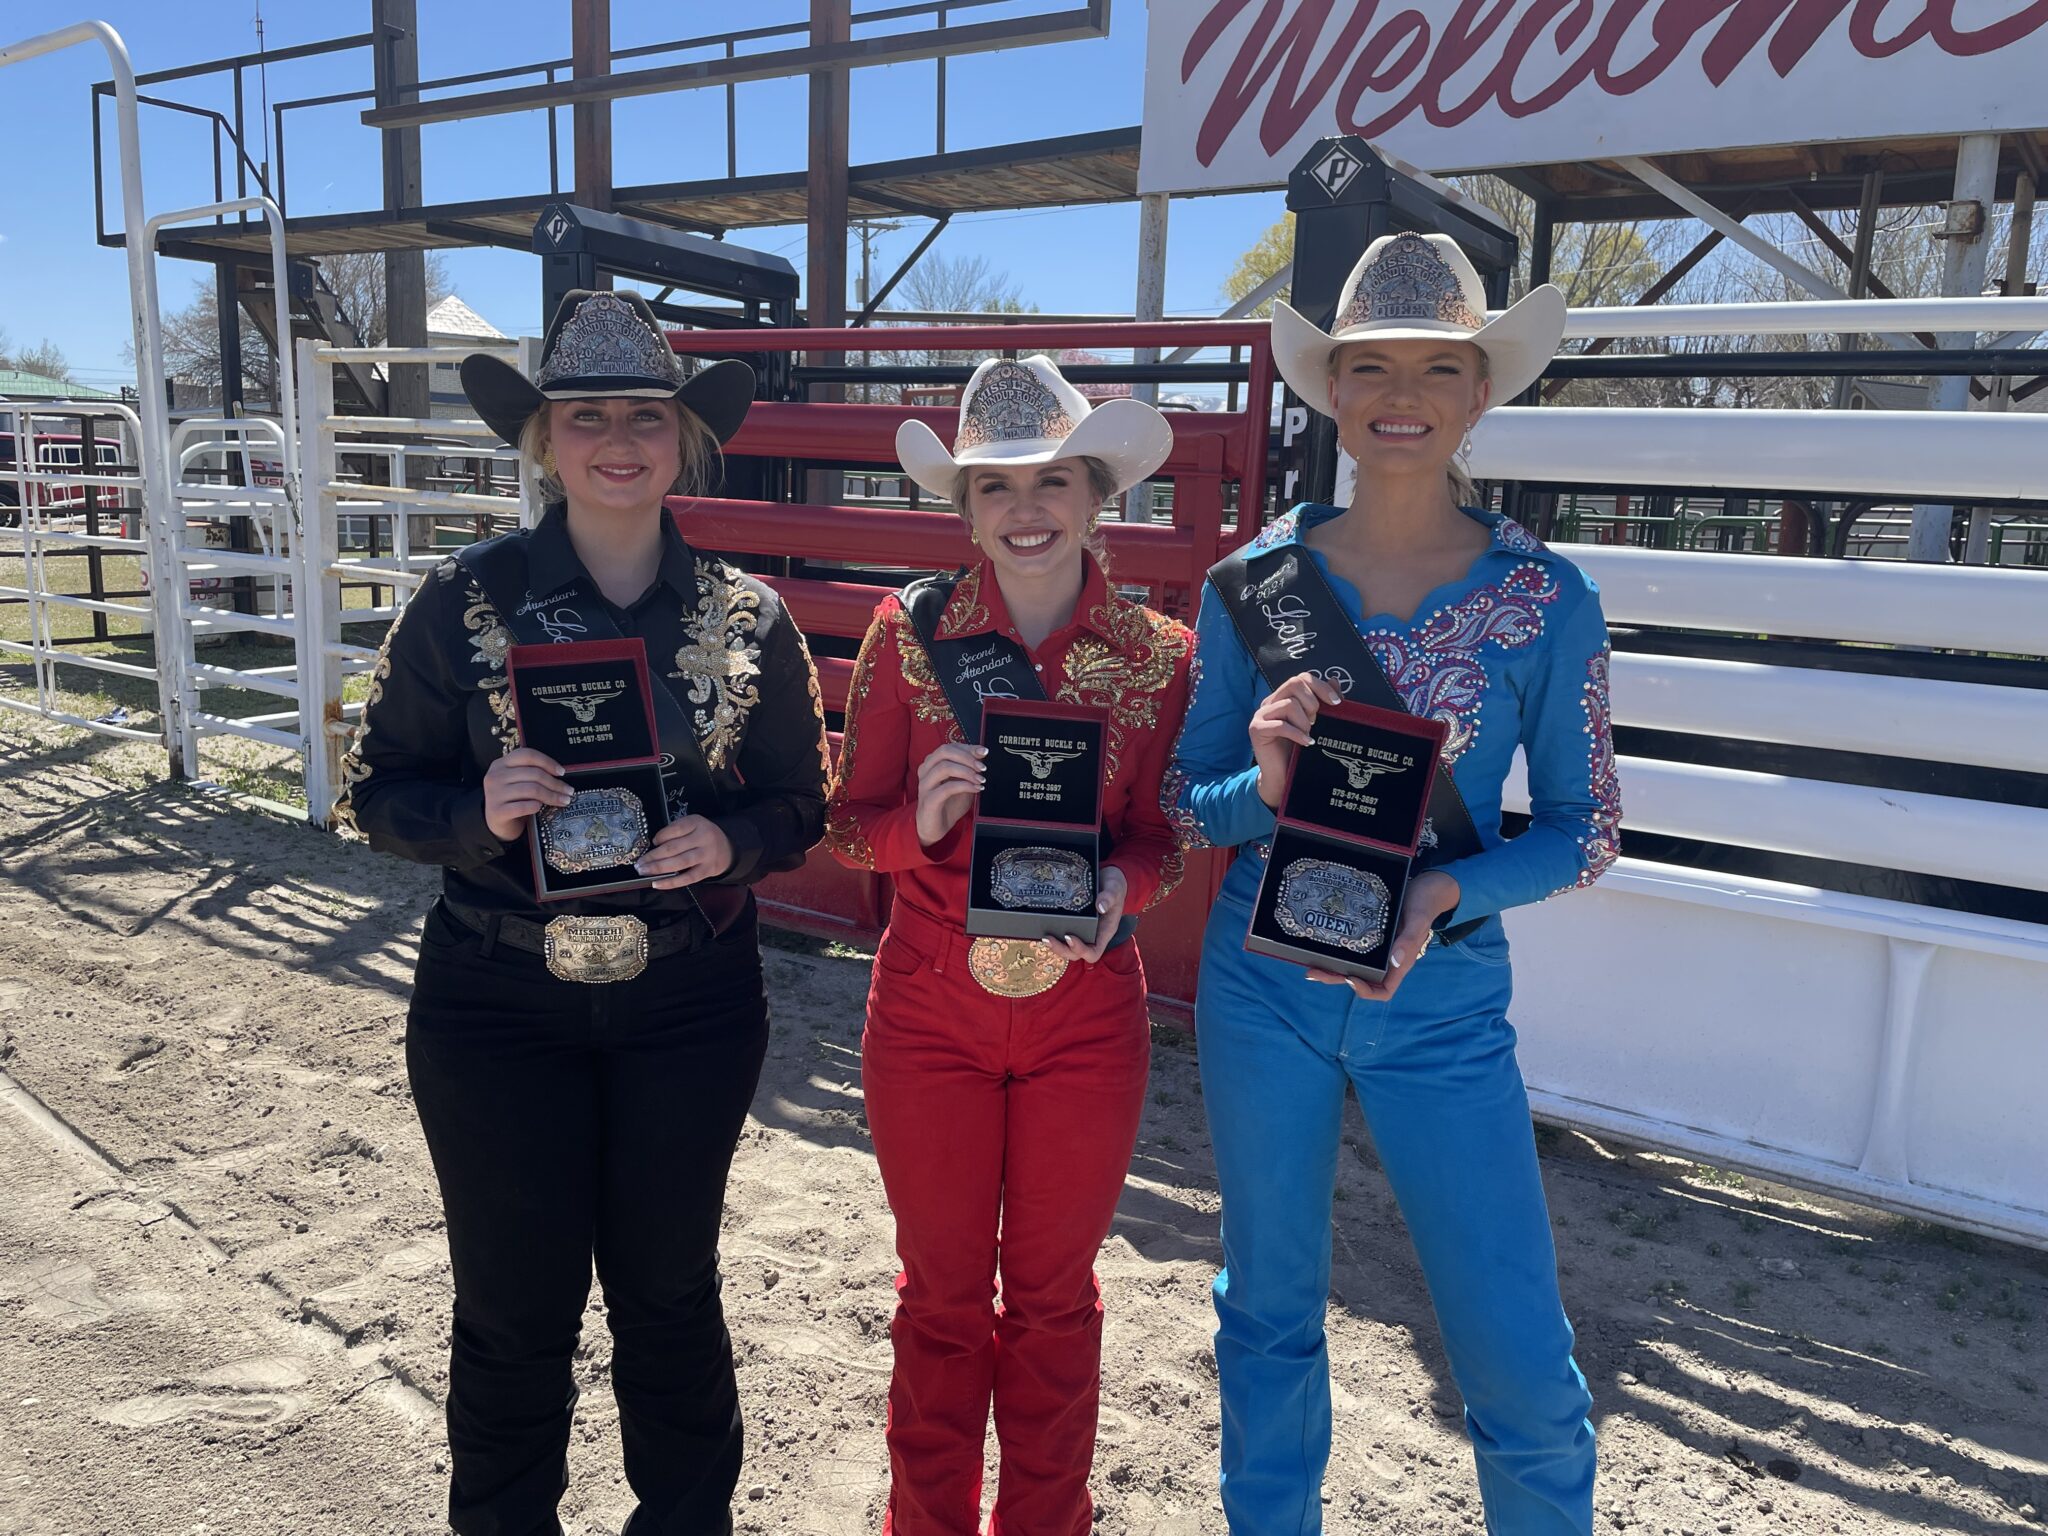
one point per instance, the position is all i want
(1037, 858)
(590, 706)
(1350, 821)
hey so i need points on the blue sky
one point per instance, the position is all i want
(56, 283)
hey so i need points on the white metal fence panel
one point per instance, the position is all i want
(54, 524)
(389, 516)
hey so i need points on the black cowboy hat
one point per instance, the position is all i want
(602, 345)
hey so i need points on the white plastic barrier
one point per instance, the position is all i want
(1884, 1051)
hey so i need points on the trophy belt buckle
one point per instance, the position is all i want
(1332, 904)
(1014, 967)
(1045, 879)
(611, 947)
(597, 829)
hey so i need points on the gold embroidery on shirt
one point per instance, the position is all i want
(965, 611)
(927, 698)
(353, 769)
(843, 834)
(1126, 673)
(723, 664)
(491, 641)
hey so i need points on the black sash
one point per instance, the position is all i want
(970, 670)
(1292, 621)
(499, 567)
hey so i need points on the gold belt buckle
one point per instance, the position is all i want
(596, 949)
(1014, 967)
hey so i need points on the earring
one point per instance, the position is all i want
(547, 461)
(1094, 522)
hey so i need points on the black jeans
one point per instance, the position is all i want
(569, 1120)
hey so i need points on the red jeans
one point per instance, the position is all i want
(1003, 1129)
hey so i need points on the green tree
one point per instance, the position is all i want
(46, 359)
(1272, 252)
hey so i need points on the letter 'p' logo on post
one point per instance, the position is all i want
(1336, 170)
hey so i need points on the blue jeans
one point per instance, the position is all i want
(1437, 1080)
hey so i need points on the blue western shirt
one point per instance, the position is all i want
(1513, 654)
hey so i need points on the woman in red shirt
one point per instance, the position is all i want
(1004, 1077)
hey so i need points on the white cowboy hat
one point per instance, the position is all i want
(1413, 287)
(1019, 412)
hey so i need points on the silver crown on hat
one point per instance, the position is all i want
(607, 338)
(1409, 280)
(1011, 404)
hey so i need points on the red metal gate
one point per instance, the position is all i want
(1218, 465)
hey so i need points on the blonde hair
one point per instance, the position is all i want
(700, 455)
(1463, 491)
(1101, 485)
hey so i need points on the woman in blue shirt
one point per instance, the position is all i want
(1476, 623)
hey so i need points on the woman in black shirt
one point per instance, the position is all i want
(583, 1069)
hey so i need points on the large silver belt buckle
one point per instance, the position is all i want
(1332, 904)
(1043, 879)
(597, 829)
(596, 949)
(1014, 967)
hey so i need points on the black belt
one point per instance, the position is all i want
(681, 933)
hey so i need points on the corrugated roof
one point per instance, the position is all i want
(18, 384)
(452, 317)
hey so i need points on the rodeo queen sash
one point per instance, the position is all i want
(970, 670)
(1291, 620)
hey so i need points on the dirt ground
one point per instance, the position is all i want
(224, 1290)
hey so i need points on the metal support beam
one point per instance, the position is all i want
(1977, 551)
(1088, 21)
(1151, 298)
(826, 196)
(1734, 229)
(1269, 289)
(875, 300)
(1542, 241)
(1151, 305)
(228, 316)
(826, 184)
(397, 55)
(1963, 262)
(1679, 271)
(590, 23)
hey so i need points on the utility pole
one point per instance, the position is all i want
(869, 228)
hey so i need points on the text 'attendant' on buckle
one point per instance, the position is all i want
(597, 829)
(1043, 879)
(596, 949)
(1014, 967)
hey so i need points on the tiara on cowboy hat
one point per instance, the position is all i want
(602, 345)
(1021, 412)
(1413, 287)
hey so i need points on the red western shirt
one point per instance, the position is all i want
(1116, 655)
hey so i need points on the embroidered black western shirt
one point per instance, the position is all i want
(439, 712)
